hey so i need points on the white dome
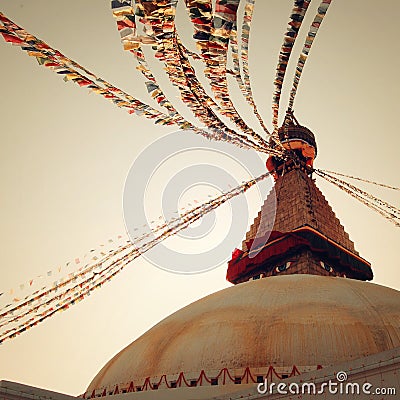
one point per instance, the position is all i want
(282, 321)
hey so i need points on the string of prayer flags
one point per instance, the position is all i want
(244, 83)
(182, 76)
(160, 19)
(362, 180)
(238, 76)
(153, 88)
(123, 12)
(382, 207)
(88, 258)
(393, 211)
(104, 252)
(61, 64)
(125, 16)
(200, 13)
(224, 19)
(209, 104)
(322, 10)
(44, 304)
(245, 37)
(57, 293)
(181, 73)
(296, 19)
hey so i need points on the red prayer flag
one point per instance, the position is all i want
(83, 82)
(12, 39)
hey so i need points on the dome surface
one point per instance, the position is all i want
(302, 320)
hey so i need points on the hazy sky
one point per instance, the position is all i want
(65, 155)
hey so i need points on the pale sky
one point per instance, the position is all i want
(65, 156)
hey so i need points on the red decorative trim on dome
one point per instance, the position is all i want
(182, 381)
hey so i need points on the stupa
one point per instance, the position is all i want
(300, 305)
